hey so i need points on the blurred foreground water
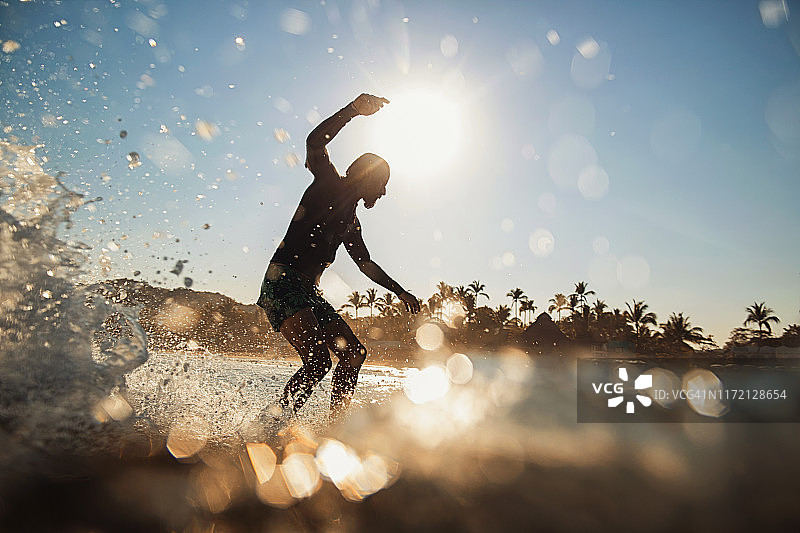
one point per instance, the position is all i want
(98, 435)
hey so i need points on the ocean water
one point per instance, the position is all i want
(221, 395)
(115, 438)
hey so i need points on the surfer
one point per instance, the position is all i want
(325, 220)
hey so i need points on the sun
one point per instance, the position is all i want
(419, 133)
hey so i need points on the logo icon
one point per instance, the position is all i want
(644, 381)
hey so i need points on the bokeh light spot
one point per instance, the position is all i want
(301, 474)
(459, 368)
(601, 245)
(591, 64)
(704, 392)
(547, 203)
(427, 385)
(429, 337)
(449, 46)
(773, 12)
(525, 59)
(542, 242)
(567, 158)
(263, 460)
(295, 21)
(593, 182)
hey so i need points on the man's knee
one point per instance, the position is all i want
(319, 367)
(355, 355)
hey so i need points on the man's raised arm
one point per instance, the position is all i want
(364, 104)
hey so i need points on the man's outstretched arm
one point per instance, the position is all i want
(358, 251)
(316, 153)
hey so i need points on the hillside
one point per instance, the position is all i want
(183, 318)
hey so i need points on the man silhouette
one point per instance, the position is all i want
(324, 220)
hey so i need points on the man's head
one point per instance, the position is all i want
(370, 174)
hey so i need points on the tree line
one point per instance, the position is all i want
(577, 317)
(182, 318)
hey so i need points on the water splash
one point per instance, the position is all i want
(63, 347)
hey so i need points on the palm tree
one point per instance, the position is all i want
(386, 304)
(370, 300)
(761, 315)
(581, 292)
(527, 306)
(460, 293)
(445, 290)
(599, 309)
(638, 318)
(445, 294)
(356, 300)
(558, 303)
(434, 303)
(503, 314)
(477, 289)
(467, 300)
(573, 304)
(516, 295)
(678, 331)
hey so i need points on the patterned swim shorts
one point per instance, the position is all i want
(286, 291)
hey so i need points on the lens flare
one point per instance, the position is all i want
(302, 475)
(427, 385)
(419, 133)
(263, 460)
(430, 337)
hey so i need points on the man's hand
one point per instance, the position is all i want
(366, 104)
(412, 304)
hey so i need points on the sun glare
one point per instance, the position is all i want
(418, 133)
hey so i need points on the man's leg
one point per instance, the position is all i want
(351, 353)
(304, 333)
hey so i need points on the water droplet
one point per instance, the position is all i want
(588, 48)
(291, 160)
(206, 130)
(10, 46)
(591, 64)
(448, 46)
(295, 21)
(773, 12)
(133, 160)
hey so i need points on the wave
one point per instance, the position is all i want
(64, 349)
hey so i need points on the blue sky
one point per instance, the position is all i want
(650, 149)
